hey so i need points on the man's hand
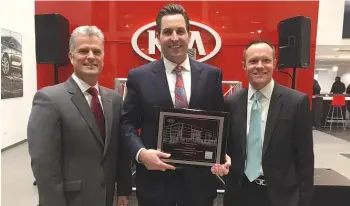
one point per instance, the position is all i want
(122, 201)
(151, 159)
(222, 170)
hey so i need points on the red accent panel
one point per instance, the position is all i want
(234, 21)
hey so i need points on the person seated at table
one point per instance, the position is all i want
(338, 87)
(316, 88)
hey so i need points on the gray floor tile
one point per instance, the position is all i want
(16, 175)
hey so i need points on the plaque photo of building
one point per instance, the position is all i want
(186, 133)
(192, 139)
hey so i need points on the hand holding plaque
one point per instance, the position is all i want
(192, 137)
(222, 169)
(151, 159)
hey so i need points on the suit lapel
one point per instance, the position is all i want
(242, 118)
(276, 104)
(84, 109)
(108, 114)
(195, 88)
(161, 86)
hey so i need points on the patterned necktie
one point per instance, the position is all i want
(254, 145)
(96, 109)
(180, 92)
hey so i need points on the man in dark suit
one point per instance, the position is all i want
(174, 81)
(316, 88)
(73, 133)
(338, 87)
(270, 141)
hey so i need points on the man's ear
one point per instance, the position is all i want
(189, 36)
(244, 66)
(275, 64)
(70, 56)
(158, 37)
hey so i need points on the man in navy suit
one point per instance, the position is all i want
(174, 81)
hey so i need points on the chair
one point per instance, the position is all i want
(338, 102)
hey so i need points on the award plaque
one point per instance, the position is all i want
(192, 137)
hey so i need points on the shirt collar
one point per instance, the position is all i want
(265, 91)
(83, 85)
(169, 66)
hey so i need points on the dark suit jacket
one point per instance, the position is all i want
(147, 87)
(338, 87)
(288, 159)
(71, 163)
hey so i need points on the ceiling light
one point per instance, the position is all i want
(335, 68)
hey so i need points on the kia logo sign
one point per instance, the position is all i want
(195, 38)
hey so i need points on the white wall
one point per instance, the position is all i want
(18, 16)
(325, 79)
(330, 23)
(329, 32)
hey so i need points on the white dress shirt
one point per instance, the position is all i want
(265, 104)
(171, 77)
(84, 87)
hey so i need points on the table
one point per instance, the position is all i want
(320, 107)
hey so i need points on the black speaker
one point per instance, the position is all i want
(294, 39)
(52, 39)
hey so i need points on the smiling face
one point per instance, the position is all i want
(259, 64)
(87, 58)
(174, 38)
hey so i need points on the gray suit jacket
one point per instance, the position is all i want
(72, 164)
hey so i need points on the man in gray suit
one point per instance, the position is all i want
(73, 133)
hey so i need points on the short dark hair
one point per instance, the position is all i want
(258, 41)
(172, 9)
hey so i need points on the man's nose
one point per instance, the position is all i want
(90, 55)
(259, 64)
(174, 36)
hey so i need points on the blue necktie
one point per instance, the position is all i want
(254, 145)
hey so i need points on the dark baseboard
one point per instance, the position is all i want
(14, 145)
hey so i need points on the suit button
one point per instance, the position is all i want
(103, 184)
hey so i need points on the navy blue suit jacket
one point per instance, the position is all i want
(147, 87)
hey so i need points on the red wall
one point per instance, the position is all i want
(234, 21)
